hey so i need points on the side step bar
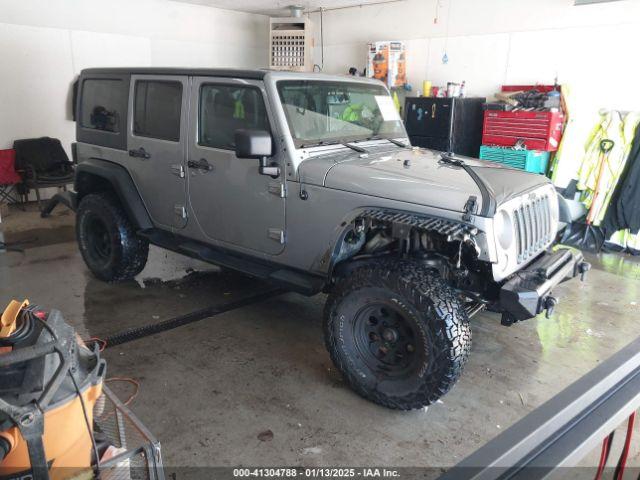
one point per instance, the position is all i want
(285, 278)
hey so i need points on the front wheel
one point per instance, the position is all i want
(397, 333)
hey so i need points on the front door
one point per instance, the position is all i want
(232, 202)
(158, 107)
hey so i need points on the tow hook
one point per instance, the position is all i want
(583, 268)
(549, 305)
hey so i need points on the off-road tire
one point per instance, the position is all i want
(122, 254)
(429, 306)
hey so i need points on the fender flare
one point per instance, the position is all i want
(456, 229)
(120, 181)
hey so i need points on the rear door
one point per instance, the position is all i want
(158, 107)
(233, 203)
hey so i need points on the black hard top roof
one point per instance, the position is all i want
(200, 72)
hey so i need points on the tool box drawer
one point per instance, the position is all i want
(538, 130)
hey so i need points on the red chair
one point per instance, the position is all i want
(9, 178)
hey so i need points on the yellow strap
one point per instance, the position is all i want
(9, 317)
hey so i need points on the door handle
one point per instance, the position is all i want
(201, 164)
(140, 153)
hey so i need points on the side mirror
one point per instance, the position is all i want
(253, 143)
(256, 144)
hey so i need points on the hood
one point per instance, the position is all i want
(418, 176)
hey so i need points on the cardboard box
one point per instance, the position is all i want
(387, 62)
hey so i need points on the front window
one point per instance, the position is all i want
(325, 112)
(227, 108)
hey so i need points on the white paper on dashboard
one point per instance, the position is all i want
(387, 108)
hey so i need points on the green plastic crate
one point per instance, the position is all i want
(535, 161)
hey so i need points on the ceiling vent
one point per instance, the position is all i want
(291, 42)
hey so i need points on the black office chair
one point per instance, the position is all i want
(42, 163)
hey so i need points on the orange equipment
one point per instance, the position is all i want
(49, 383)
(381, 65)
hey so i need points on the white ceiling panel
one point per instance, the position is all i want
(279, 7)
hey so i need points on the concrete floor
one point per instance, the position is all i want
(210, 388)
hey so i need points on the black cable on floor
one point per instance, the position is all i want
(136, 333)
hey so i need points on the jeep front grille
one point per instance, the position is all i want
(533, 225)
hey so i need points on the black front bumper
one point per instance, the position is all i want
(528, 292)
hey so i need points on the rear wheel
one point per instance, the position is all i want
(397, 333)
(107, 239)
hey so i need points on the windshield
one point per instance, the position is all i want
(322, 112)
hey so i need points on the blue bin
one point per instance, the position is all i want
(534, 161)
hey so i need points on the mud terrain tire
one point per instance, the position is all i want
(398, 333)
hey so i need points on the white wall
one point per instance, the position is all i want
(493, 42)
(45, 43)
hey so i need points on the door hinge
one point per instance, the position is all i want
(178, 170)
(278, 189)
(277, 234)
(180, 211)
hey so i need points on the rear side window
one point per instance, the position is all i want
(225, 109)
(103, 104)
(156, 111)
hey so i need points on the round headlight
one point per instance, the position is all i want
(504, 229)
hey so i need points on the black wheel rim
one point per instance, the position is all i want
(98, 239)
(388, 342)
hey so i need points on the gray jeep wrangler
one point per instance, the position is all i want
(308, 181)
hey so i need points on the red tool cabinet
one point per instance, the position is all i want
(538, 130)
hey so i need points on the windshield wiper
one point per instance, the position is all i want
(397, 142)
(323, 143)
(392, 140)
(320, 143)
(355, 147)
